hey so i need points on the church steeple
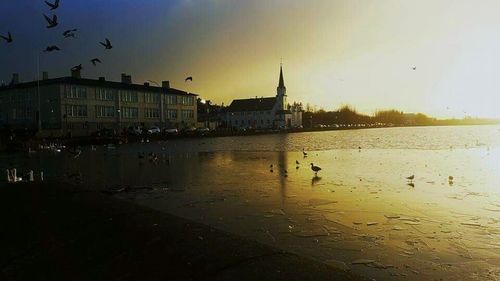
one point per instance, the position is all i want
(281, 92)
(282, 81)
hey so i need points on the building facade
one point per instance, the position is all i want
(79, 107)
(265, 113)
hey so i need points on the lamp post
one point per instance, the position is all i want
(38, 93)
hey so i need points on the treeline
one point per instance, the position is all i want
(348, 116)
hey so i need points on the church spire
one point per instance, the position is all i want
(282, 81)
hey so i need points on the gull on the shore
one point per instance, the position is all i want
(304, 153)
(52, 22)
(411, 178)
(7, 38)
(297, 162)
(315, 169)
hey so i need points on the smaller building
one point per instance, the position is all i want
(265, 112)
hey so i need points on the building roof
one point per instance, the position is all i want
(255, 104)
(96, 83)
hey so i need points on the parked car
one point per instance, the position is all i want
(134, 130)
(189, 130)
(154, 130)
(202, 131)
(171, 131)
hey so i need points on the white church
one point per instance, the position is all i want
(265, 113)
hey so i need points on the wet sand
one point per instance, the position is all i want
(55, 232)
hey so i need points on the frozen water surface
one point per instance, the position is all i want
(359, 213)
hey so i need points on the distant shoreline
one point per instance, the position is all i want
(33, 143)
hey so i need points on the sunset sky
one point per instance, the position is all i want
(357, 52)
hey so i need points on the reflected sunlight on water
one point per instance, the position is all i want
(360, 210)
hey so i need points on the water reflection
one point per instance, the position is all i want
(342, 217)
(315, 180)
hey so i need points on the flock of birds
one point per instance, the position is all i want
(53, 22)
(316, 169)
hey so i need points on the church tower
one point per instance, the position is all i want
(281, 92)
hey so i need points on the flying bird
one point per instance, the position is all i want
(52, 22)
(53, 6)
(95, 60)
(51, 48)
(77, 68)
(190, 78)
(107, 45)
(8, 38)
(69, 33)
(315, 169)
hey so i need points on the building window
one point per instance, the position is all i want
(151, 98)
(152, 113)
(75, 92)
(105, 111)
(129, 96)
(130, 112)
(187, 100)
(187, 114)
(104, 94)
(171, 100)
(171, 114)
(76, 110)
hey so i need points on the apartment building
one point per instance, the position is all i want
(78, 107)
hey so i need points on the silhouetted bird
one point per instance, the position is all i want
(77, 68)
(414, 67)
(53, 6)
(315, 169)
(297, 162)
(51, 48)
(304, 153)
(94, 61)
(410, 178)
(52, 22)
(69, 33)
(8, 38)
(107, 45)
(190, 78)
(411, 184)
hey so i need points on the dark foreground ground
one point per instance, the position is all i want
(51, 232)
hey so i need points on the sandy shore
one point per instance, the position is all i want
(54, 232)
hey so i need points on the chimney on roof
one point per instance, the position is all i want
(45, 75)
(146, 84)
(126, 79)
(165, 84)
(76, 73)
(102, 78)
(15, 79)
